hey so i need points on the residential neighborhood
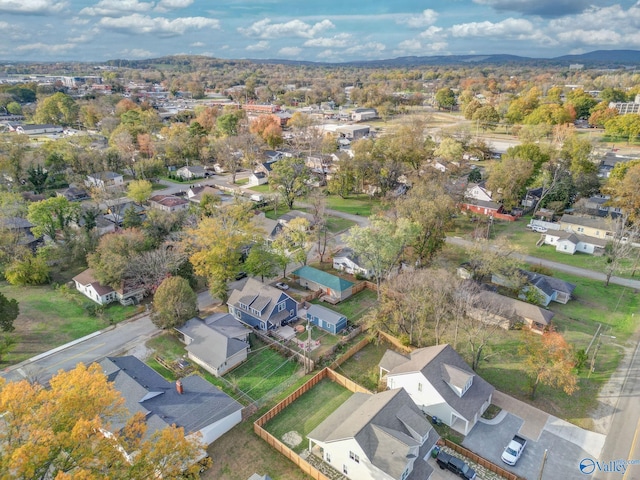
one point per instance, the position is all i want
(242, 270)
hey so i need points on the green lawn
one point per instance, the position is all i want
(49, 318)
(337, 224)
(308, 411)
(242, 181)
(264, 370)
(362, 368)
(266, 188)
(355, 306)
(354, 204)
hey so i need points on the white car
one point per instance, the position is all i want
(539, 228)
(282, 286)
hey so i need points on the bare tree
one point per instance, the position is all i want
(152, 267)
(620, 247)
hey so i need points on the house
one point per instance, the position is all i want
(191, 172)
(597, 206)
(271, 228)
(194, 404)
(87, 284)
(549, 289)
(217, 343)
(293, 214)
(258, 178)
(264, 168)
(104, 180)
(327, 319)
(346, 260)
(478, 191)
(440, 383)
(169, 203)
(567, 242)
(493, 308)
(39, 129)
(333, 287)
(74, 194)
(262, 306)
(21, 230)
(353, 132)
(532, 197)
(590, 226)
(195, 193)
(491, 209)
(382, 436)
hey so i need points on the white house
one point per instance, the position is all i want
(568, 242)
(218, 343)
(347, 261)
(257, 178)
(194, 404)
(478, 191)
(87, 284)
(441, 383)
(378, 437)
(191, 172)
(104, 180)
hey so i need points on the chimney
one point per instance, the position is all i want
(179, 387)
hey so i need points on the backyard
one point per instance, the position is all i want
(294, 423)
(52, 317)
(361, 204)
(355, 306)
(362, 368)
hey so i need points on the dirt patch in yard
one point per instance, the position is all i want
(293, 439)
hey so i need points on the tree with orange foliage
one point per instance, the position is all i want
(268, 128)
(548, 360)
(64, 432)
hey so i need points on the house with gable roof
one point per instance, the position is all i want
(548, 289)
(87, 284)
(168, 203)
(440, 383)
(333, 287)
(191, 172)
(195, 405)
(382, 436)
(347, 261)
(217, 343)
(262, 306)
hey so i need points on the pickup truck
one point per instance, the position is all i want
(514, 450)
(457, 466)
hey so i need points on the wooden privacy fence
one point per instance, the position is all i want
(483, 462)
(302, 464)
(394, 341)
(351, 352)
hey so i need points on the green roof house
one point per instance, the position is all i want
(332, 286)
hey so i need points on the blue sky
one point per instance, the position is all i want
(326, 30)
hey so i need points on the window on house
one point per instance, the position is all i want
(580, 229)
(405, 474)
(328, 457)
(281, 306)
(344, 469)
(419, 387)
(354, 457)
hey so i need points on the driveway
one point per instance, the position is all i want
(566, 444)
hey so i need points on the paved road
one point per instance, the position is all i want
(561, 267)
(112, 341)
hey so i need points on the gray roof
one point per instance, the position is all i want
(325, 314)
(260, 296)
(144, 390)
(211, 344)
(391, 359)
(430, 362)
(576, 238)
(483, 203)
(386, 425)
(514, 309)
(350, 254)
(592, 222)
(105, 175)
(269, 226)
(549, 284)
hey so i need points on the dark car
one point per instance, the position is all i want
(454, 464)
(241, 275)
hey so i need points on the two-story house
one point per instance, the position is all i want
(262, 306)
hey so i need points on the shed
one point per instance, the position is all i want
(326, 318)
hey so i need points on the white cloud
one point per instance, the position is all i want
(136, 53)
(115, 8)
(337, 41)
(508, 29)
(197, 44)
(433, 32)
(137, 23)
(166, 5)
(261, 46)
(424, 19)
(32, 7)
(290, 51)
(590, 37)
(416, 46)
(294, 28)
(371, 49)
(79, 21)
(46, 47)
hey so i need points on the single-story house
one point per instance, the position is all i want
(74, 194)
(21, 228)
(39, 129)
(194, 404)
(258, 178)
(334, 287)
(482, 207)
(262, 306)
(271, 228)
(478, 191)
(568, 242)
(169, 203)
(346, 260)
(292, 214)
(549, 289)
(363, 114)
(87, 284)
(493, 308)
(440, 383)
(596, 227)
(382, 436)
(190, 172)
(327, 319)
(217, 343)
(104, 180)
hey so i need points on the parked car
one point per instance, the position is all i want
(241, 275)
(514, 450)
(539, 229)
(282, 286)
(454, 464)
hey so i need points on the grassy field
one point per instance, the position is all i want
(362, 368)
(336, 224)
(308, 411)
(266, 188)
(355, 204)
(49, 318)
(355, 306)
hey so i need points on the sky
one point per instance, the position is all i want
(320, 31)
